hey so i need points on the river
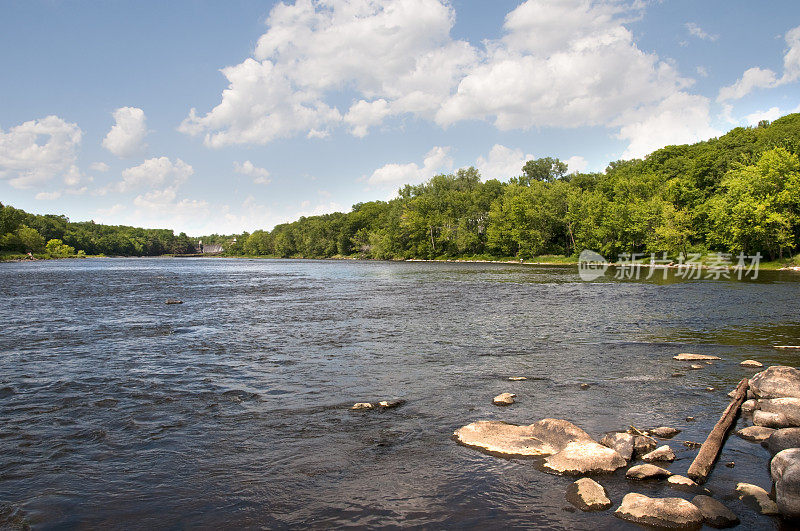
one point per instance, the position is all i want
(232, 409)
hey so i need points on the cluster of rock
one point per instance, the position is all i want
(774, 408)
(569, 450)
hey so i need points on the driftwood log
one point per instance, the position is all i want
(704, 462)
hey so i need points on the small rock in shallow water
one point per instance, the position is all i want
(695, 357)
(690, 419)
(662, 453)
(695, 366)
(362, 405)
(672, 513)
(681, 482)
(751, 363)
(588, 495)
(517, 378)
(730, 464)
(647, 472)
(709, 389)
(755, 433)
(621, 442)
(757, 496)
(664, 432)
(692, 444)
(504, 399)
(714, 513)
(173, 301)
(585, 386)
(387, 404)
(677, 374)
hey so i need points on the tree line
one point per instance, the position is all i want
(736, 193)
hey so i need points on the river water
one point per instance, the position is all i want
(232, 409)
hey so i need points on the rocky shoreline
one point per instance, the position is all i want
(773, 406)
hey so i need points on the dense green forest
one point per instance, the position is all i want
(736, 193)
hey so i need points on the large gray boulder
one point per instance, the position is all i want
(755, 433)
(789, 407)
(588, 495)
(545, 437)
(782, 439)
(669, 513)
(785, 470)
(584, 457)
(621, 442)
(714, 513)
(756, 496)
(776, 382)
(664, 432)
(770, 420)
(662, 453)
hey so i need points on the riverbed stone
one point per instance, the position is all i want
(621, 442)
(785, 471)
(517, 378)
(647, 471)
(696, 366)
(782, 439)
(748, 406)
(776, 382)
(755, 433)
(504, 399)
(670, 513)
(388, 404)
(789, 407)
(544, 437)
(664, 432)
(588, 495)
(751, 364)
(757, 496)
(644, 444)
(362, 405)
(584, 457)
(682, 482)
(662, 453)
(770, 420)
(715, 514)
(695, 357)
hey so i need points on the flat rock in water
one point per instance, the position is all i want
(545, 437)
(682, 482)
(662, 453)
(588, 495)
(647, 472)
(644, 444)
(783, 439)
(584, 457)
(517, 378)
(785, 471)
(755, 433)
(770, 420)
(664, 432)
(695, 366)
(504, 399)
(757, 496)
(670, 513)
(789, 407)
(695, 357)
(776, 382)
(388, 404)
(362, 405)
(751, 363)
(621, 442)
(714, 513)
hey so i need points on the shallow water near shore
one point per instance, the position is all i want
(232, 409)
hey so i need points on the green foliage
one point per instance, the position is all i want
(56, 247)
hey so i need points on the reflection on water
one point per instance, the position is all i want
(232, 408)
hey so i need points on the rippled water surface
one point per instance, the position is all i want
(232, 409)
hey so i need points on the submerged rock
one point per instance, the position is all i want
(757, 496)
(785, 471)
(782, 439)
(695, 357)
(622, 443)
(588, 495)
(584, 457)
(714, 513)
(647, 472)
(504, 399)
(670, 513)
(545, 437)
(776, 382)
(662, 453)
(755, 433)
(751, 363)
(664, 432)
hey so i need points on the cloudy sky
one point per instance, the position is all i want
(208, 116)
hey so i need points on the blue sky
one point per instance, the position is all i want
(207, 116)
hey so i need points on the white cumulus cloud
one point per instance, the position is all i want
(259, 175)
(99, 166)
(437, 160)
(699, 32)
(155, 172)
(126, 137)
(37, 151)
(502, 163)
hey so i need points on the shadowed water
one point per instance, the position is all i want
(232, 409)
